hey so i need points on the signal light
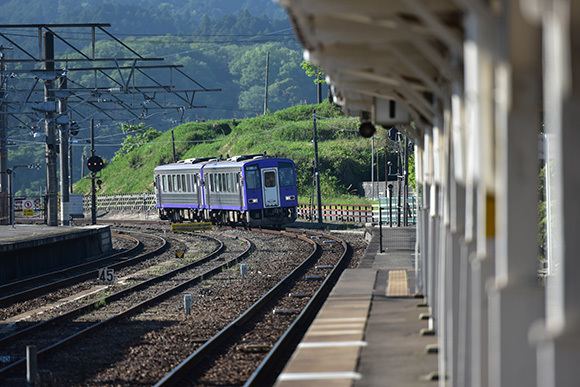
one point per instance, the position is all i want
(367, 129)
(95, 163)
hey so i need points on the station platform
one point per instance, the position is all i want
(28, 250)
(370, 331)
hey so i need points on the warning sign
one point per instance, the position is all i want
(27, 205)
(28, 212)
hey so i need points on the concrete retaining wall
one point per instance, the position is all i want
(38, 254)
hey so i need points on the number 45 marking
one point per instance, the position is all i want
(107, 275)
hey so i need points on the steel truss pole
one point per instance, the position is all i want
(51, 177)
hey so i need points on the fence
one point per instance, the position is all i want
(337, 212)
(34, 206)
(133, 203)
(392, 212)
(145, 204)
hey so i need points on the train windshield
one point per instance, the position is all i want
(286, 174)
(253, 177)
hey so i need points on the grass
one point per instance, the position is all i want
(100, 304)
(344, 156)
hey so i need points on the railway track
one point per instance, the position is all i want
(149, 330)
(55, 333)
(35, 298)
(34, 286)
(248, 340)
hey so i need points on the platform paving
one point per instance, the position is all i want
(369, 331)
(24, 232)
(30, 250)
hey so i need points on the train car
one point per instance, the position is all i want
(178, 192)
(254, 190)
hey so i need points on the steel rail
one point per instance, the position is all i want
(113, 297)
(6, 288)
(268, 370)
(174, 377)
(132, 310)
(79, 277)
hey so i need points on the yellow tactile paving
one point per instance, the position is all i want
(397, 285)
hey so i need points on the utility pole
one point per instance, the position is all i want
(51, 177)
(95, 97)
(378, 178)
(266, 87)
(173, 146)
(70, 165)
(373, 138)
(93, 187)
(399, 178)
(316, 169)
(64, 156)
(406, 189)
(318, 89)
(4, 189)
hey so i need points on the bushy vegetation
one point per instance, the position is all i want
(221, 44)
(344, 156)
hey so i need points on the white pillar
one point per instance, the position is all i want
(456, 325)
(478, 65)
(559, 345)
(420, 244)
(515, 297)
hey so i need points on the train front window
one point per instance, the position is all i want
(286, 173)
(253, 177)
(270, 179)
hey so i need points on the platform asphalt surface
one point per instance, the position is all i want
(398, 351)
(370, 330)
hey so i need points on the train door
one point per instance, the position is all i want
(197, 189)
(158, 188)
(270, 187)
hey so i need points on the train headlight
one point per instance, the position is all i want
(291, 197)
(252, 201)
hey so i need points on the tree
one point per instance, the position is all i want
(286, 80)
(141, 135)
(315, 71)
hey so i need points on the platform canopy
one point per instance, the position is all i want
(377, 51)
(477, 84)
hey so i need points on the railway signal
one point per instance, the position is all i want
(95, 163)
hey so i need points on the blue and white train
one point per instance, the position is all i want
(253, 190)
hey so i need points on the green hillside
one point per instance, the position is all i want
(344, 156)
(221, 44)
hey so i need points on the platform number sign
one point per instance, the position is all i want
(107, 275)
